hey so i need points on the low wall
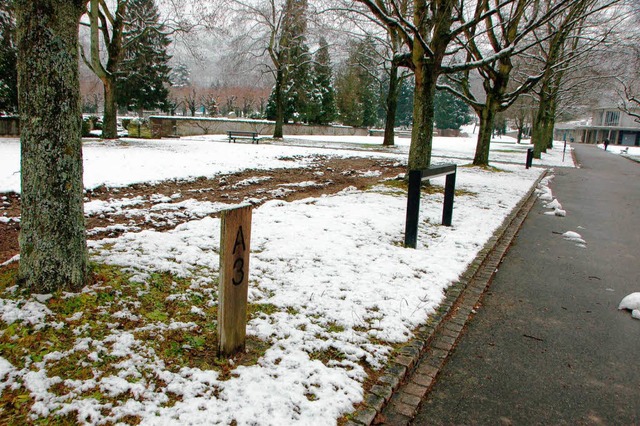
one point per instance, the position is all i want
(165, 126)
(9, 126)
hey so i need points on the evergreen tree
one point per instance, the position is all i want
(322, 107)
(180, 76)
(295, 65)
(8, 60)
(404, 113)
(145, 71)
(450, 112)
(357, 91)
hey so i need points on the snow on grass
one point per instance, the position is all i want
(503, 148)
(127, 161)
(341, 283)
(330, 283)
(633, 151)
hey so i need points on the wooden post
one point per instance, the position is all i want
(235, 236)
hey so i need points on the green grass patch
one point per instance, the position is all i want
(73, 342)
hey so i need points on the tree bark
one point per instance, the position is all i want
(392, 106)
(278, 133)
(110, 118)
(487, 118)
(544, 120)
(551, 122)
(53, 251)
(422, 133)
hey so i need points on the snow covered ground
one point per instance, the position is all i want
(132, 160)
(332, 269)
(631, 151)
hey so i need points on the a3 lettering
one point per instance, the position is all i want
(238, 269)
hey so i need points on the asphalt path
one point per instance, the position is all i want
(548, 345)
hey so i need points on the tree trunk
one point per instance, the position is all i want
(551, 122)
(279, 100)
(110, 118)
(53, 251)
(520, 131)
(392, 106)
(487, 118)
(422, 133)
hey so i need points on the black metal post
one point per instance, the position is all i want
(449, 193)
(529, 157)
(413, 209)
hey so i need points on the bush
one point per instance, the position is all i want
(90, 123)
(139, 128)
(86, 127)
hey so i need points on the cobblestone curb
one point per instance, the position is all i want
(395, 398)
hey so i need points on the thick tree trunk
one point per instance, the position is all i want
(278, 133)
(422, 133)
(110, 118)
(487, 118)
(540, 127)
(392, 106)
(53, 252)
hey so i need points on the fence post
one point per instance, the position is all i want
(449, 193)
(233, 286)
(413, 209)
(529, 157)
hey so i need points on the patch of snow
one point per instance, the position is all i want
(31, 312)
(555, 204)
(630, 302)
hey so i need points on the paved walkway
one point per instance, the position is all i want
(549, 346)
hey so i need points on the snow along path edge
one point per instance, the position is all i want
(386, 399)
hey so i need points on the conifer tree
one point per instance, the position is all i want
(450, 112)
(294, 86)
(322, 107)
(358, 95)
(404, 113)
(145, 70)
(180, 76)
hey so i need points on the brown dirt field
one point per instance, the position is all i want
(329, 175)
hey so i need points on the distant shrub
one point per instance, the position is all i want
(139, 128)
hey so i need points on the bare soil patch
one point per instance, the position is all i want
(158, 205)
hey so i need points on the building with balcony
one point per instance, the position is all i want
(605, 123)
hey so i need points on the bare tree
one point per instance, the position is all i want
(274, 28)
(564, 42)
(427, 30)
(109, 38)
(629, 83)
(503, 35)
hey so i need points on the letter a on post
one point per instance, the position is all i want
(235, 246)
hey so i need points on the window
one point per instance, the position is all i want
(612, 118)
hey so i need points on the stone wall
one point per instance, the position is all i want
(165, 126)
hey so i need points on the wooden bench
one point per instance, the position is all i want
(233, 135)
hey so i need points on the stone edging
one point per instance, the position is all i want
(384, 402)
